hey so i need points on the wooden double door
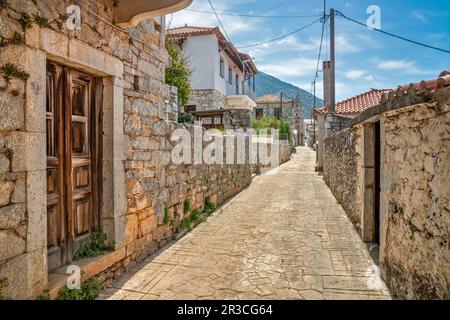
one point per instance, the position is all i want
(72, 116)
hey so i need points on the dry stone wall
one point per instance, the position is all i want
(415, 190)
(139, 168)
(416, 187)
(207, 99)
(341, 171)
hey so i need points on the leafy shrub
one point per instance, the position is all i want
(3, 286)
(186, 205)
(185, 118)
(45, 295)
(195, 216)
(266, 122)
(166, 216)
(89, 291)
(93, 246)
(209, 207)
(185, 224)
(178, 74)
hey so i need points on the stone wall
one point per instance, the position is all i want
(341, 171)
(416, 192)
(207, 99)
(139, 182)
(415, 189)
(237, 119)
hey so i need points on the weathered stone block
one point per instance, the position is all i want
(10, 244)
(6, 188)
(12, 216)
(12, 111)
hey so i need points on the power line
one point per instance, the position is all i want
(391, 34)
(280, 37)
(254, 15)
(320, 47)
(220, 22)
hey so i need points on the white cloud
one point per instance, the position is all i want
(355, 74)
(405, 66)
(419, 16)
(233, 24)
(290, 68)
(343, 45)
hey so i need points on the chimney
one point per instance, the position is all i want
(327, 83)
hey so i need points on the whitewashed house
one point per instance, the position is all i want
(222, 77)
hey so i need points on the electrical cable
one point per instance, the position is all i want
(391, 34)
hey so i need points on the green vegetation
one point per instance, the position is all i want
(93, 246)
(185, 118)
(40, 20)
(209, 207)
(166, 216)
(45, 295)
(283, 126)
(185, 224)
(10, 70)
(89, 291)
(25, 21)
(195, 216)
(4, 4)
(186, 205)
(3, 286)
(17, 38)
(178, 73)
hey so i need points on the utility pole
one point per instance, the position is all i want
(333, 64)
(281, 104)
(314, 118)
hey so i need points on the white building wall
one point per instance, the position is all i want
(202, 53)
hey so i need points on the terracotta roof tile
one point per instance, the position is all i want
(359, 103)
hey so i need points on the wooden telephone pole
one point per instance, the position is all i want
(333, 64)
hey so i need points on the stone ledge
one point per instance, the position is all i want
(89, 268)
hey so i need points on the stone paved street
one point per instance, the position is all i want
(285, 237)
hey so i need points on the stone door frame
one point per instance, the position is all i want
(46, 45)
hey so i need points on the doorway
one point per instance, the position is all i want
(72, 121)
(377, 184)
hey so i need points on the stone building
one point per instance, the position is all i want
(283, 109)
(222, 78)
(85, 140)
(390, 170)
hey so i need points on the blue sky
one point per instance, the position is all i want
(364, 58)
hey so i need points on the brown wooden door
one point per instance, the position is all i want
(71, 161)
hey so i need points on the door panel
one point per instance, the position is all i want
(71, 161)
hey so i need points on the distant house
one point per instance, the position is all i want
(222, 77)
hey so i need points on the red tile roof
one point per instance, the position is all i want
(432, 85)
(182, 33)
(359, 103)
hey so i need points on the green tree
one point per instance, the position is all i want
(266, 122)
(178, 73)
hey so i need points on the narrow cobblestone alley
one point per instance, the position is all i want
(285, 237)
